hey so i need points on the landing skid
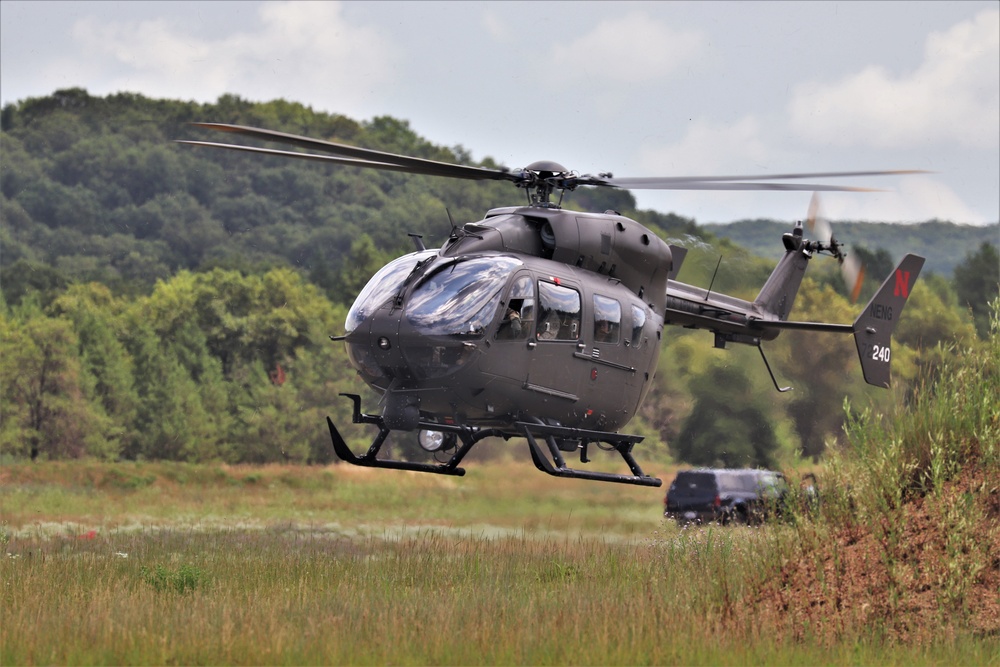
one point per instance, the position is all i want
(470, 436)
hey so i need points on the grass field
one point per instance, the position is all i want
(178, 564)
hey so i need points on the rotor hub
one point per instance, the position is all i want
(546, 176)
(547, 168)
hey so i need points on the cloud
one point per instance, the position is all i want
(913, 198)
(709, 148)
(952, 97)
(629, 49)
(290, 48)
(494, 26)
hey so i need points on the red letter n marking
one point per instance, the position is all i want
(902, 284)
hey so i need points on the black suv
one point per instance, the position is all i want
(725, 496)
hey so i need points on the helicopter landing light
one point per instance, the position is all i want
(383, 343)
(434, 441)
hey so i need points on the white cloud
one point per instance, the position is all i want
(630, 49)
(954, 96)
(714, 149)
(912, 198)
(495, 26)
(711, 149)
(293, 47)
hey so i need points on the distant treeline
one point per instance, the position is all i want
(162, 301)
(944, 244)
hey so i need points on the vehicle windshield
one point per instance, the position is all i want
(384, 285)
(460, 299)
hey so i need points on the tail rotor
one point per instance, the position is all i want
(851, 268)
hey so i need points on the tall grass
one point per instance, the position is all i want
(293, 597)
(909, 532)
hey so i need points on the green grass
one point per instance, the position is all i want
(294, 596)
(494, 499)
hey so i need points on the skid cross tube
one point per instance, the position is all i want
(621, 444)
(468, 436)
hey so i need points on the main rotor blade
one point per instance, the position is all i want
(658, 182)
(687, 184)
(347, 161)
(373, 158)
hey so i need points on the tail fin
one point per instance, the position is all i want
(873, 328)
(778, 293)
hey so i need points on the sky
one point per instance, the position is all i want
(632, 88)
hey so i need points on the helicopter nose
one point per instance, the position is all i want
(387, 349)
(374, 346)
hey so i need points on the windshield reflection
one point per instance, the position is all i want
(384, 285)
(462, 298)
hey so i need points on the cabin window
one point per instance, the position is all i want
(519, 310)
(638, 324)
(558, 312)
(607, 319)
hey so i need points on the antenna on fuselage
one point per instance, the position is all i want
(717, 265)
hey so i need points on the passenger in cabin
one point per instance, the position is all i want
(511, 327)
(604, 332)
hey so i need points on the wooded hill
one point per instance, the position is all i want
(94, 189)
(164, 301)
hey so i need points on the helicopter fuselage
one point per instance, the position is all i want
(541, 309)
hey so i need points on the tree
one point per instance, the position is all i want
(24, 277)
(728, 426)
(96, 318)
(822, 368)
(183, 410)
(977, 282)
(44, 391)
(361, 264)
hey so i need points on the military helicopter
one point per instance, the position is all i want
(542, 323)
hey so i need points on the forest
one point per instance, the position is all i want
(168, 302)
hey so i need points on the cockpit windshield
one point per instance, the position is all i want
(461, 298)
(383, 285)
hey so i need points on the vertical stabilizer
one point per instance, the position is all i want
(778, 293)
(873, 328)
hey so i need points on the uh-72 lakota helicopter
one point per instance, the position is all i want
(546, 324)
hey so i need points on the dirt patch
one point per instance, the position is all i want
(927, 572)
